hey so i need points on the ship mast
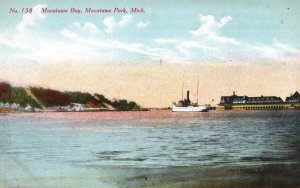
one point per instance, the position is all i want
(198, 90)
(182, 88)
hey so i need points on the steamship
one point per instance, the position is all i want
(185, 105)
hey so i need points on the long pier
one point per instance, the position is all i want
(258, 106)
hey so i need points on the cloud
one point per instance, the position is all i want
(210, 33)
(184, 45)
(110, 24)
(88, 28)
(91, 28)
(26, 30)
(276, 51)
(125, 20)
(76, 41)
(209, 25)
(66, 33)
(97, 44)
(210, 29)
(31, 19)
(3, 40)
(206, 41)
(85, 40)
(166, 41)
(142, 25)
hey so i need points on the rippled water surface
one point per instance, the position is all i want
(154, 148)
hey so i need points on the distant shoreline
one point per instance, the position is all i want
(55, 111)
(7, 111)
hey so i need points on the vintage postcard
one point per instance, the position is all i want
(149, 93)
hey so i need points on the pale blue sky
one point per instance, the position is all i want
(175, 31)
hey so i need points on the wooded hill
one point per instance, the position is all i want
(38, 97)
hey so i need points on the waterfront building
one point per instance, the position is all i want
(235, 102)
(234, 99)
(295, 98)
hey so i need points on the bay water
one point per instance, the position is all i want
(150, 149)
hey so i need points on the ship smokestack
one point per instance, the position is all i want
(188, 95)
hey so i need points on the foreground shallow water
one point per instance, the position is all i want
(153, 148)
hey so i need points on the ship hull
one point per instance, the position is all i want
(189, 109)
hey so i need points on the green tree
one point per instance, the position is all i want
(123, 105)
(101, 98)
(18, 95)
(79, 97)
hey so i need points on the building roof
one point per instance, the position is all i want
(261, 99)
(295, 96)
